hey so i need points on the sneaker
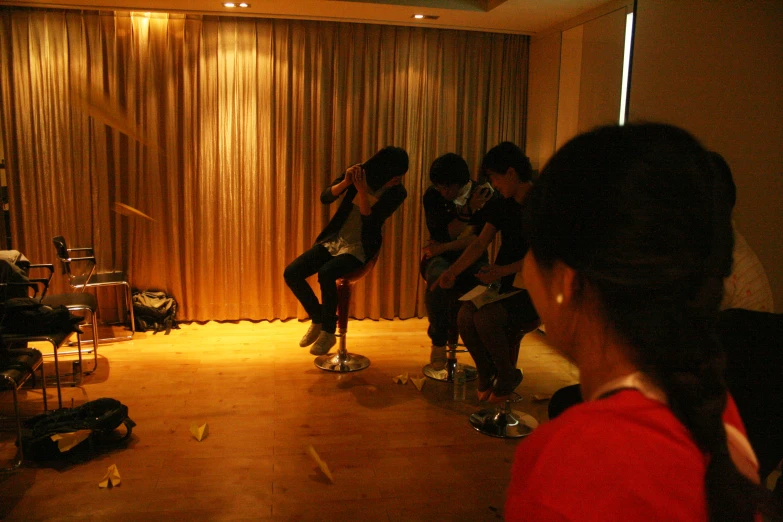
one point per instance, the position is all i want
(324, 343)
(438, 357)
(311, 335)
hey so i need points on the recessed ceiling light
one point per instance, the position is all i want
(243, 4)
(425, 17)
(418, 16)
(229, 4)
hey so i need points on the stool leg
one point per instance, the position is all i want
(342, 361)
(504, 422)
(446, 374)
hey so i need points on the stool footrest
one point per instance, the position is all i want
(342, 362)
(503, 424)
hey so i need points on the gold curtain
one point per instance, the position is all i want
(225, 131)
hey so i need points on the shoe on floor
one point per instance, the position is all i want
(501, 393)
(438, 357)
(311, 335)
(323, 344)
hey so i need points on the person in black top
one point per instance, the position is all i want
(452, 209)
(484, 330)
(372, 192)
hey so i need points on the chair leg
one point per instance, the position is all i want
(129, 304)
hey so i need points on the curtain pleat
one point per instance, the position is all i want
(225, 130)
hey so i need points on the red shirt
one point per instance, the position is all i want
(625, 457)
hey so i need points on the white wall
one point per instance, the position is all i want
(575, 77)
(715, 68)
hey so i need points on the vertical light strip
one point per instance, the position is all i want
(626, 65)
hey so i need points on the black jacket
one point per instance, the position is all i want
(371, 225)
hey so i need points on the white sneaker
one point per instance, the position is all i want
(323, 344)
(438, 357)
(311, 335)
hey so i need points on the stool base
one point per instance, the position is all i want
(503, 423)
(446, 373)
(342, 362)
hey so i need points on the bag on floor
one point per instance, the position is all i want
(68, 431)
(156, 311)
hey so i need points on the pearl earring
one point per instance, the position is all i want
(559, 299)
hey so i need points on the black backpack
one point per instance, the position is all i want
(102, 416)
(155, 311)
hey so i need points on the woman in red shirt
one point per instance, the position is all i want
(629, 245)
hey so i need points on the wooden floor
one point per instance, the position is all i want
(396, 454)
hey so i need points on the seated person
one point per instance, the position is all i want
(452, 211)
(485, 330)
(629, 246)
(371, 193)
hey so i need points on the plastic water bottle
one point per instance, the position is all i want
(459, 383)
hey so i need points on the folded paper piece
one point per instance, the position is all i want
(482, 295)
(111, 479)
(66, 441)
(418, 382)
(127, 210)
(542, 397)
(199, 432)
(321, 463)
(401, 379)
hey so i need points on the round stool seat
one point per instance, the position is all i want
(504, 422)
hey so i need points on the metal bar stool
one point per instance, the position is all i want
(504, 422)
(446, 373)
(342, 361)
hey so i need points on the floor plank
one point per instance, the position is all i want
(396, 453)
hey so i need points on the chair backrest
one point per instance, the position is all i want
(62, 253)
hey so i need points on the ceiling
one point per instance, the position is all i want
(508, 16)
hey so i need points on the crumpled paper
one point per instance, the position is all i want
(66, 441)
(199, 432)
(321, 464)
(418, 382)
(111, 479)
(401, 379)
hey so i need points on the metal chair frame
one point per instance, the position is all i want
(91, 278)
(15, 384)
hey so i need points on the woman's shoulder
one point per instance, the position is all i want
(632, 452)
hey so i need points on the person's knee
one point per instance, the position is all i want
(465, 317)
(290, 274)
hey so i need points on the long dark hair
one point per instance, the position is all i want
(384, 165)
(639, 213)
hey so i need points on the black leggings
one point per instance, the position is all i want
(485, 332)
(329, 269)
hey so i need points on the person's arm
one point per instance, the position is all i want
(477, 247)
(338, 186)
(461, 243)
(493, 273)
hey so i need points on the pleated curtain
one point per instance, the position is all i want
(224, 131)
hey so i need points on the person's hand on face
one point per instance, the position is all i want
(360, 180)
(350, 174)
(478, 198)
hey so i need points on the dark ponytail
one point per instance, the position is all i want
(638, 212)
